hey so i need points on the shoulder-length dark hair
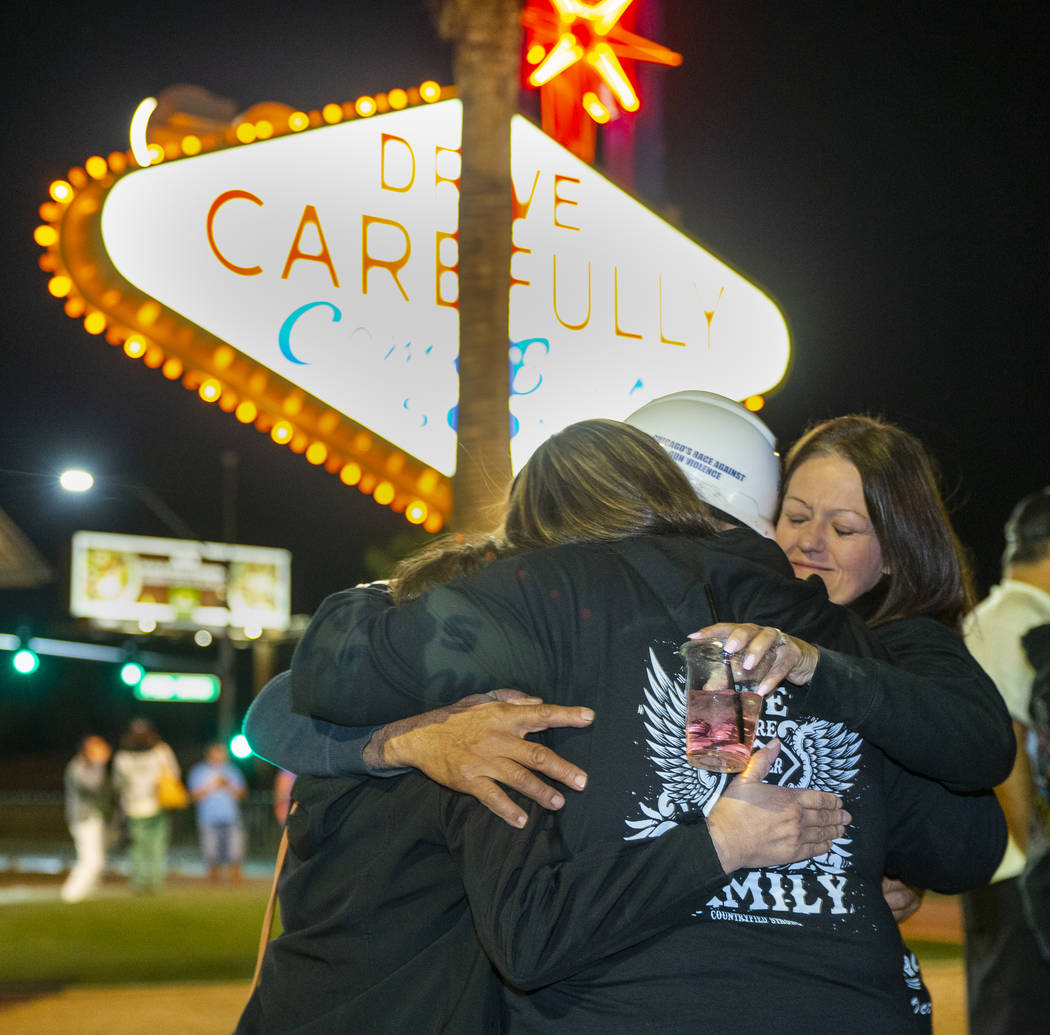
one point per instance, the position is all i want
(600, 480)
(928, 570)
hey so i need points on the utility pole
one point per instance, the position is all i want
(227, 659)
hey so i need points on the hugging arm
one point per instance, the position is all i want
(361, 662)
(931, 708)
(354, 660)
(466, 747)
(303, 745)
(947, 841)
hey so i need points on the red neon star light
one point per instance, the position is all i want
(576, 47)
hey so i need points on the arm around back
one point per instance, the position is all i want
(305, 746)
(931, 709)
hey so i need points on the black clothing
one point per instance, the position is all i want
(808, 945)
(934, 710)
(1007, 991)
(932, 683)
(1034, 882)
(378, 935)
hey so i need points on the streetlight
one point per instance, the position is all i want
(78, 480)
(75, 480)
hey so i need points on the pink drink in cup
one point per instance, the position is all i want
(721, 708)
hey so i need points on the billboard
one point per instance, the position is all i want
(179, 582)
(329, 257)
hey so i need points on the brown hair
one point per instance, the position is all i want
(441, 560)
(928, 570)
(141, 735)
(596, 480)
(601, 480)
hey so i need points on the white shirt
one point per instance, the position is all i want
(993, 632)
(137, 773)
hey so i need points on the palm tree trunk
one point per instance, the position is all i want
(486, 38)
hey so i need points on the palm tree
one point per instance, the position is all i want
(486, 41)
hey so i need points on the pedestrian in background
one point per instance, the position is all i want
(1007, 977)
(139, 764)
(282, 794)
(217, 787)
(87, 795)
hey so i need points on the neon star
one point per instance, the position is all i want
(570, 33)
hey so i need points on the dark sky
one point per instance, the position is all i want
(880, 170)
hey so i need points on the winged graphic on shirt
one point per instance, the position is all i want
(815, 753)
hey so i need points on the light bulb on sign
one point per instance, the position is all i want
(139, 122)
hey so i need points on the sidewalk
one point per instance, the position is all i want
(169, 1009)
(213, 1009)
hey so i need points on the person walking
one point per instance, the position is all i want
(87, 800)
(142, 759)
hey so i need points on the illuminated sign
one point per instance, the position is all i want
(330, 259)
(178, 686)
(577, 48)
(181, 582)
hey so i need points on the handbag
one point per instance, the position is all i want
(171, 792)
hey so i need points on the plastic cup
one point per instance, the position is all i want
(721, 709)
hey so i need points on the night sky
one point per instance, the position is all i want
(880, 170)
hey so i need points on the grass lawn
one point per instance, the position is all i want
(936, 952)
(190, 932)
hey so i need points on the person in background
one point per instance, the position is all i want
(1007, 977)
(87, 795)
(217, 788)
(282, 794)
(137, 767)
(1035, 880)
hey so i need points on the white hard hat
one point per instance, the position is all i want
(726, 452)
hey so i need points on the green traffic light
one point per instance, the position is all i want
(239, 746)
(25, 661)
